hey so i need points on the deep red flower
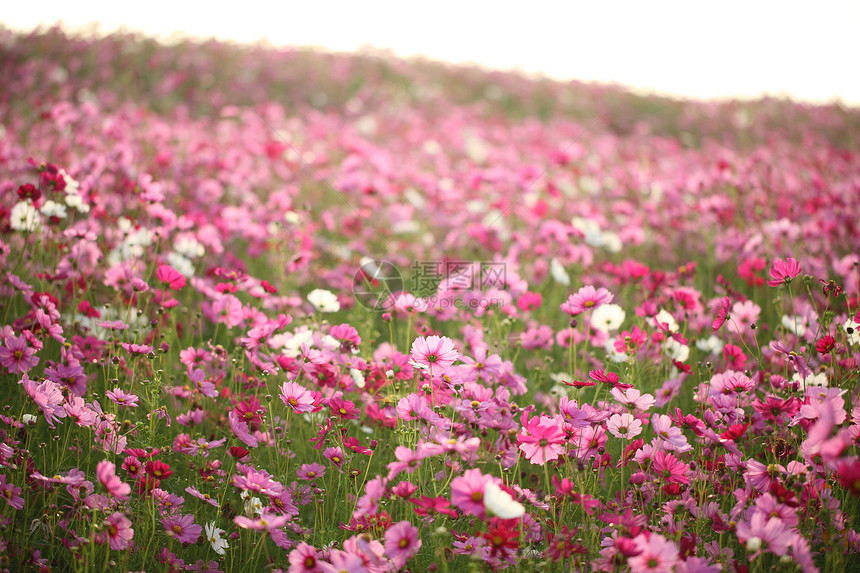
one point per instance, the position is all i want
(29, 191)
(502, 536)
(238, 452)
(158, 469)
(825, 344)
(849, 476)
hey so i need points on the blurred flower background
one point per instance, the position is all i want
(731, 49)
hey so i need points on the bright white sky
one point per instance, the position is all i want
(733, 48)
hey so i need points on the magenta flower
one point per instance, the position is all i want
(334, 455)
(106, 472)
(310, 471)
(137, 349)
(241, 430)
(467, 492)
(722, 314)
(433, 353)
(11, 493)
(17, 356)
(170, 277)
(118, 531)
(343, 408)
(586, 298)
(783, 271)
(120, 398)
(669, 468)
(182, 528)
(402, 543)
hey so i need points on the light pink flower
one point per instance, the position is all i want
(118, 531)
(106, 472)
(402, 542)
(624, 426)
(467, 492)
(586, 298)
(543, 440)
(434, 353)
(297, 398)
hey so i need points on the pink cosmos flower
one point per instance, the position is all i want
(467, 492)
(434, 353)
(11, 493)
(118, 531)
(182, 528)
(310, 471)
(340, 561)
(334, 455)
(119, 397)
(669, 468)
(240, 430)
(303, 559)
(106, 472)
(48, 396)
(663, 428)
(624, 426)
(170, 277)
(297, 398)
(17, 356)
(266, 522)
(633, 399)
(407, 460)
(783, 271)
(722, 314)
(343, 408)
(543, 441)
(586, 298)
(657, 555)
(402, 543)
(764, 533)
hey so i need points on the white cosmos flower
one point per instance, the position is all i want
(711, 345)
(188, 247)
(796, 325)
(607, 317)
(213, 534)
(664, 317)
(499, 502)
(675, 350)
(357, 377)
(558, 273)
(854, 335)
(324, 300)
(53, 209)
(25, 217)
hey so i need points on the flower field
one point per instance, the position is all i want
(273, 310)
